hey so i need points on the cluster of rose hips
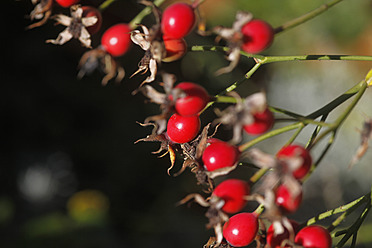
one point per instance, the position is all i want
(178, 126)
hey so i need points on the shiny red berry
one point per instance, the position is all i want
(89, 11)
(257, 36)
(297, 150)
(116, 40)
(232, 191)
(178, 20)
(175, 49)
(263, 121)
(286, 201)
(181, 129)
(220, 155)
(314, 237)
(241, 229)
(67, 3)
(194, 101)
(276, 240)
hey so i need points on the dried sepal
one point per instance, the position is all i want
(150, 40)
(365, 136)
(240, 114)
(234, 39)
(165, 146)
(76, 27)
(154, 51)
(214, 213)
(273, 212)
(281, 172)
(161, 98)
(212, 243)
(192, 153)
(99, 59)
(42, 11)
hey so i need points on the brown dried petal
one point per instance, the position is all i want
(365, 136)
(63, 19)
(84, 37)
(154, 95)
(62, 38)
(168, 82)
(256, 102)
(140, 39)
(233, 56)
(89, 21)
(221, 172)
(261, 159)
(241, 18)
(197, 198)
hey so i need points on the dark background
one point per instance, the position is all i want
(61, 136)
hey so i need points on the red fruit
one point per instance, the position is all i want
(297, 150)
(175, 49)
(314, 237)
(232, 192)
(275, 241)
(67, 3)
(257, 36)
(177, 21)
(219, 155)
(196, 98)
(116, 39)
(263, 121)
(286, 201)
(91, 11)
(241, 229)
(181, 129)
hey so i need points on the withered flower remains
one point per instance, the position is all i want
(76, 27)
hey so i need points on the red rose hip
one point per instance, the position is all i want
(263, 121)
(177, 21)
(175, 49)
(257, 36)
(67, 3)
(232, 191)
(297, 150)
(241, 229)
(276, 240)
(116, 40)
(314, 237)
(194, 101)
(181, 129)
(286, 201)
(219, 155)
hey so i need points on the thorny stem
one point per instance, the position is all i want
(310, 15)
(146, 11)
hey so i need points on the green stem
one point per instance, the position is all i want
(105, 4)
(271, 59)
(304, 18)
(341, 209)
(258, 175)
(363, 86)
(234, 85)
(146, 11)
(270, 134)
(354, 228)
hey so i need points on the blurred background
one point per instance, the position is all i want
(70, 174)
